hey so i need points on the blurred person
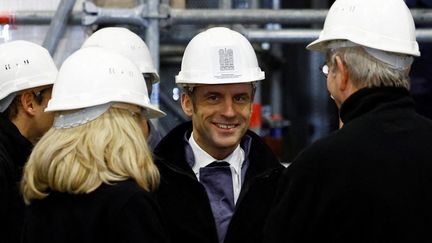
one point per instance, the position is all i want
(369, 181)
(26, 76)
(129, 44)
(217, 177)
(89, 177)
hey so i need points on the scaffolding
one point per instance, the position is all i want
(152, 16)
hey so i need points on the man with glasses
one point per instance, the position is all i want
(27, 73)
(370, 181)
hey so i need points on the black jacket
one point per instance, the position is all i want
(122, 212)
(14, 152)
(368, 182)
(184, 202)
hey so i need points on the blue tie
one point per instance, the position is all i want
(217, 180)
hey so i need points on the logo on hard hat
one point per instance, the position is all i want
(226, 59)
(226, 63)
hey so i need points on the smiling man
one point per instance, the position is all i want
(217, 177)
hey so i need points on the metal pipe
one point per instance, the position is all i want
(306, 35)
(255, 35)
(38, 18)
(424, 35)
(281, 36)
(58, 25)
(98, 15)
(278, 36)
(264, 16)
(196, 16)
(250, 16)
(152, 40)
(152, 31)
(422, 16)
(276, 84)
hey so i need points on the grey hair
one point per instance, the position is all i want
(367, 71)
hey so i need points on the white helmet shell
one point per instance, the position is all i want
(219, 56)
(24, 65)
(127, 43)
(94, 76)
(382, 25)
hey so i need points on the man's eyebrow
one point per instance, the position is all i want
(212, 93)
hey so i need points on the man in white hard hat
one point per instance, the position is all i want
(370, 181)
(27, 73)
(129, 44)
(217, 177)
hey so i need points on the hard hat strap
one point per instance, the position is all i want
(80, 117)
(397, 61)
(85, 115)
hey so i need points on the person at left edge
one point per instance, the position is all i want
(27, 72)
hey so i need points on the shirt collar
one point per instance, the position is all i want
(202, 158)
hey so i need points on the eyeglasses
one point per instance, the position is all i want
(325, 70)
(39, 94)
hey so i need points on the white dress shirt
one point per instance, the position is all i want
(235, 159)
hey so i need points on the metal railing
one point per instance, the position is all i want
(142, 15)
(299, 25)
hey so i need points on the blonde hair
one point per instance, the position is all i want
(78, 160)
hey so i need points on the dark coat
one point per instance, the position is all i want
(154, 135)
(370, 181)
(123, 212)
(14, 152)
(184, 202)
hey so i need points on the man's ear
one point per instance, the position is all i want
(27, 102)
(343, 74)
(186, 104)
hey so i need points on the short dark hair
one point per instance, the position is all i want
(12, 110)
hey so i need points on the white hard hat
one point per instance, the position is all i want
(23, 65)
(127, 43)
(219, 56)
(95, 76)
(382, 25)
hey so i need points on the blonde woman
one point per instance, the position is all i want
(89, 178)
